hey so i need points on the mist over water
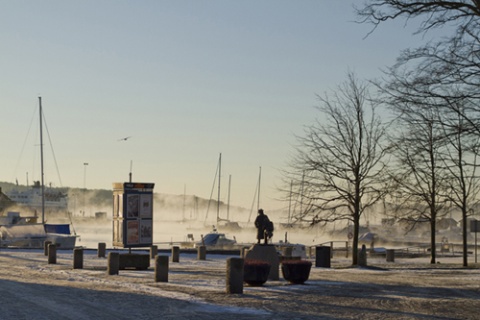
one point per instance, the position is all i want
(173, 226)
(177, 216)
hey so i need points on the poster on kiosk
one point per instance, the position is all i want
(132, 214)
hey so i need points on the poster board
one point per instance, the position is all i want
(132, 214)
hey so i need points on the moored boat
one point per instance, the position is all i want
(26, 232)
(18, 231)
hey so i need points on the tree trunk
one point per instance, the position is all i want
(356, 227)
(433, 245)
(464, 236)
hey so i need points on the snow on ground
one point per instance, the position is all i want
(406, 289)
(134, 282)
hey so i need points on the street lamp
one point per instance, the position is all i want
(85, 164)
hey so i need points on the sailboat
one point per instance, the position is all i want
(19, 231)
(222, 223)
(214, 239)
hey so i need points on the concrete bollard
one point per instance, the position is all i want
(235, 275)
(390, 255)
(153, 252)
(362, 257)
(201, 253)
(52, 253)
(161, 269)
(101, 249)
(113, 264)
(45, 247)
(175, 254)
(78, 258)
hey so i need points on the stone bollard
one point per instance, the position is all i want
(45, 247)
(362, 257)
(175, 254)
(101, 249)
(52, 253)
(113, 264)
(153, 252)
(78, 258)
(235, 275)
(201, 253)
(390, 255)
(161, 269)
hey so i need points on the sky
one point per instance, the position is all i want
(185, 80)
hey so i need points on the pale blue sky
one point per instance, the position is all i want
(186, 79)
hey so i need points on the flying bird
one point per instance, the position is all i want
(125, 139)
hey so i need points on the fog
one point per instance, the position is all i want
(91, 231)
(175, 217)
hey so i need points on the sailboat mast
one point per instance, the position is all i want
(228, 206)
(219, 174)
(258, 196)
(41, 160)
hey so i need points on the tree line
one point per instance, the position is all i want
(411, 139)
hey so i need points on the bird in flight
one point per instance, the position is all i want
(125, 139)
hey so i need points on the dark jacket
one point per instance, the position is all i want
(260, 224)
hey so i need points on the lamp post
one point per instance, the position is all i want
(85, 164)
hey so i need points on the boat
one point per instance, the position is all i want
(223, 224)
(56, 201)
(25, 231)
(216, 240)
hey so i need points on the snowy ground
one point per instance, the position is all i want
(406, 289)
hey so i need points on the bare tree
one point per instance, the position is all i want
(338, 168)
(461, 160)
(437, 13)
(446, 73)
(443, 134)
(417, 169)
(437, 67)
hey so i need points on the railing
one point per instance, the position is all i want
(338, 247)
